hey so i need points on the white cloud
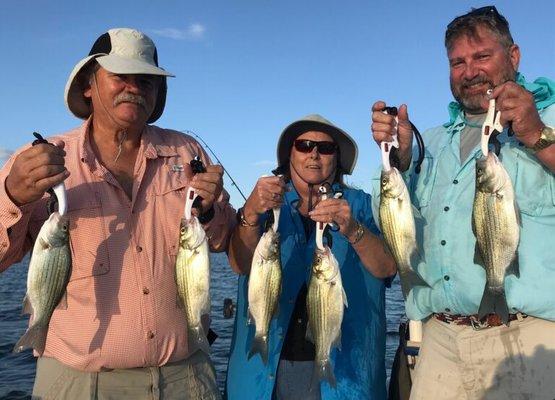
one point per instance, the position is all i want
(194, 31)
(4, 155)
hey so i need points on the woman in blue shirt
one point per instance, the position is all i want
(311, 152)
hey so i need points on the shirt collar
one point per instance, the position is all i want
(152, 141)
(543, 90)
(292, 196)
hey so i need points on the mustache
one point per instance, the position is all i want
(130, 98)
(478, 80)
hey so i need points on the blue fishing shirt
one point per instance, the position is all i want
(359, 366)
(443, 196)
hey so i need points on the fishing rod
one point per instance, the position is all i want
(218, 160)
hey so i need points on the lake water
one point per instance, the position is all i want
(17, 371)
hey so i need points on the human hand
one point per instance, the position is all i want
(518, 108)
(336, 211)
(208, 185)
(267, 194)
(383, 129)
(36, 170)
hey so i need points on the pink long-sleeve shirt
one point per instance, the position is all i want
(120, 309)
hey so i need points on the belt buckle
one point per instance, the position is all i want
(478, 325)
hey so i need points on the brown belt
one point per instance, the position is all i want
(489, 321)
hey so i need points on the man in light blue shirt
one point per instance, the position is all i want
(461, 356)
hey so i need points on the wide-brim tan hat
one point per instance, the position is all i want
(120, 51)
(348, 150)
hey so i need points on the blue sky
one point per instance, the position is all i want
(246, 69)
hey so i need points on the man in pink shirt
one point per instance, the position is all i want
(119, 331)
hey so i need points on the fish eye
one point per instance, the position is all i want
(182, 231)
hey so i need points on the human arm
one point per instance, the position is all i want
(518, 109)
(371, 250)
(23, 182)
(267, 194)
(383, 129)
(216, 213)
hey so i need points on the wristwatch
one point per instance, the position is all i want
(546, 139)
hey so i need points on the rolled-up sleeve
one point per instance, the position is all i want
(15, 239)
(220, 227)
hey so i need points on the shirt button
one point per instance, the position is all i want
(443, 242)
(139, 249)
(447, 309)
(299, 321)
(446, 208)
(271, 376)
(446, 277)
(145, 290)
(150, 334)
(455, 181)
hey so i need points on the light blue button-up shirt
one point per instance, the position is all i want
(443, 195)
(359, 366)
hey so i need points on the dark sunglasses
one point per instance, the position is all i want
(306, 146)
(489, 11)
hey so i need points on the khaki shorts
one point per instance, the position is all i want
(506, 363)
(193, 378)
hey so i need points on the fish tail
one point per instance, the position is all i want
(198, 340)
(323, 370)
(410, 279)
(34, 337)
(494, 302)
(259, 345)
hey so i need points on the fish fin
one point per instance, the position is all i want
(514, 267)
(309, 336)
(337, 341)
(409, 280)
(323, 370)
(259, 345)
(517, 213)
(198, 340)
(34, 337)
(44, 244)
(179, 302)
(415, 259)
(62, 304)
(27, 306)
(344, 296)
(276, 310)
(478, 260)
(494, 302)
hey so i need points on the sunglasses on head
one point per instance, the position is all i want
(306, 146)
(489, 11)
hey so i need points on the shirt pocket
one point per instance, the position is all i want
(169, 203)
(422, 184)
(87, 235)
(534, 186)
